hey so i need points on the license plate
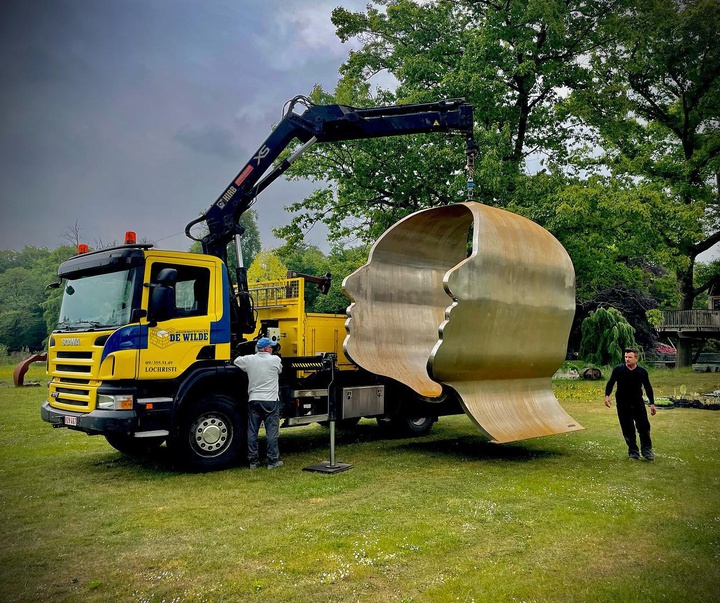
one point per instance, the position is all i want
(70, 420)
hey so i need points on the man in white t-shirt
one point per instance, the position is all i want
(263, 370)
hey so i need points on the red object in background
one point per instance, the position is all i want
(22, 367)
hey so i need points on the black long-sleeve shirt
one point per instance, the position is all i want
(630, 384)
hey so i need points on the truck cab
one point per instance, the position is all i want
(139, 331)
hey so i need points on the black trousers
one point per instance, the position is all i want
(633, 419)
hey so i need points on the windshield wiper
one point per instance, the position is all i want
(92, 323)
(79, 324)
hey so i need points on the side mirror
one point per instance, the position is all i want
(167, 276)
(162, 296)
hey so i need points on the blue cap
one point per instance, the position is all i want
(265, 342)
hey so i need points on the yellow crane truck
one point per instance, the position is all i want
(460, 308)
(143, 349)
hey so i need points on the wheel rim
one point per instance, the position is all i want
(211, 434)
(419, 421)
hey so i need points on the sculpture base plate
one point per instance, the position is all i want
(326, 467)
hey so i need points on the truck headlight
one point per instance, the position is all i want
(119, 402)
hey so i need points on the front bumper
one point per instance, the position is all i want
(95, 422)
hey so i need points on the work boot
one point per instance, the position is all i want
(275, 465)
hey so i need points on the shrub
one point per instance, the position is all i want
(605, 334)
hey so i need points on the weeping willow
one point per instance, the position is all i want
(605, 335)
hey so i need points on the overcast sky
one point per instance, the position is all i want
(136, 114)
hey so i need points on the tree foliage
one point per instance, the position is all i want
(266, 266)
(654, 110)
(597, 119)
(27, 311)
(513, 62)
(605, 334)
(308, 259)
(653, 114)
(340, 263)
(509, 60)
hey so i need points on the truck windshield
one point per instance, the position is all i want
(101, 300)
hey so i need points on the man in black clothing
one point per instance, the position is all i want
(631, 379)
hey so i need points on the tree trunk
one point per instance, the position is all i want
(683, 356)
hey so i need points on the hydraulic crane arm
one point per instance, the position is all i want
(320, 123)
(317, 123)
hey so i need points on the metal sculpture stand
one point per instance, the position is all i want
(332, 466)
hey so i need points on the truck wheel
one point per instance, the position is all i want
(211, 434)
(406, 426)
(133, 446)
(419, 425)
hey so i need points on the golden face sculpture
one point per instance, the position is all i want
(471, 298)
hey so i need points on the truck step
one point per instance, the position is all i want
(157, 433)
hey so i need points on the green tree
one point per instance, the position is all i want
(24, 276)
(308, 259)
(267, 266)
(653, 109)
(21, 321)
(304, 258)
(605, 335)
(510, 60)
(340, 263)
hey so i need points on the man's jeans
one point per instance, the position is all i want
(268, 412)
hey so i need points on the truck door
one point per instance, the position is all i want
(178, 340)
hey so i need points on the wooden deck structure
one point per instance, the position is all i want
(695, 324)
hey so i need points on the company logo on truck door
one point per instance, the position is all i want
(163, 338)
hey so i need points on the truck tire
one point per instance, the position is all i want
(211, 434)
(406, 426)
(418, 425)
(133, 446)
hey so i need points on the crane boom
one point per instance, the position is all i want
(317, 123)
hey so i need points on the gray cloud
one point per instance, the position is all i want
(135, 114)
(211, 139)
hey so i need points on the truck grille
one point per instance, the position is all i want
(72, 368)
(65, 390)
(67, 395)
(74, 355)
(73, 386)
(64, 363)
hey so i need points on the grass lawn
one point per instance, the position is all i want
(442, 518)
